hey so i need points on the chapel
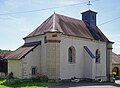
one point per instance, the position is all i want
(64, 47)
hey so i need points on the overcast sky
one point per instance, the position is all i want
(14, 27)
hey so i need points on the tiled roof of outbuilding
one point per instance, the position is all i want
(3, 55)
(115, 59)
(22, 51)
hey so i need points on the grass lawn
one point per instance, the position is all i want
(24, 84)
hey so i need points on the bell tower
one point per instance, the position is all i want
(89, 16)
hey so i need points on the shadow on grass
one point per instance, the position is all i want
(25, 83)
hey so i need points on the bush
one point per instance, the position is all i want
(41, 77)
(10, 76)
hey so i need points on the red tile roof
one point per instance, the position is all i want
(3, 55)
(70, 26)
(115, 59)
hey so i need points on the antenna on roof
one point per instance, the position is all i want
(53, 28)
(89, 4)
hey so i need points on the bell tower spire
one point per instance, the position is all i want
(89, 16)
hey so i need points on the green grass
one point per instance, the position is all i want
(24, 84)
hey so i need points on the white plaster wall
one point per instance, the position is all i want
(101, 67)
(109, 59)
(15, 66)
(36, 38)
(33, 59)
(87, 68)
(73, 70)
(43, 59)
(53, 56)
(42, 50)
(70, 70)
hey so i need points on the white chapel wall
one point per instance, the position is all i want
(32, 60)
(87, 68)
(42, 50)
(77, 70)
(15, 66)
(33, 39)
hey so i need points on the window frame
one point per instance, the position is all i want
(45, 39)
(97, 54)
(71, 55)
(34, 70)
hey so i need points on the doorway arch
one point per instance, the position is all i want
(116, 69)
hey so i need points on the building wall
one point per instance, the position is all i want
(77, 70)
(33, 39)
(52, 58)
(43, 58)
(49, 62)
(88, 68)
(53, 61)
(109, 59)
(103, 60)
(42, 50)
(15, 66)
(33, 59)
(36, 58)
(53, 55)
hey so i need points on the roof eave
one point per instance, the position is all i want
(111, 42)
(19, 58)
(28, 52)
(43, 34)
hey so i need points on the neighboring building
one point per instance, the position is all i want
(63, 47)
(3, 64)
(116, 64)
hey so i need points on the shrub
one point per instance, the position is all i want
(41, 77)
(10, 76)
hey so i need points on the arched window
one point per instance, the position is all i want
(71, 54)
(97, 53)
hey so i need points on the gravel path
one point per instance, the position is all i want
(88, 85)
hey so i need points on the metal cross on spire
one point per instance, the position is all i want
(89, 4)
